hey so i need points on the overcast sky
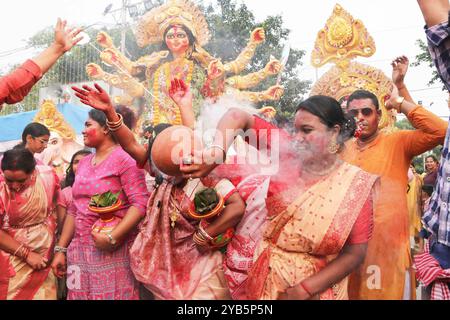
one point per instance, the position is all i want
(394, 25)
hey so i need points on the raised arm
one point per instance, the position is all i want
(15, 86)
(234, 122)
(430, 129)
(113, 57)
(98, 99)
(434, 11)
(399, 69)
(65, 39)
(257, 37)
(253, 79)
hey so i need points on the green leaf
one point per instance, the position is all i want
(104, 200)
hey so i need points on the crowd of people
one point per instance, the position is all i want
(334, 223)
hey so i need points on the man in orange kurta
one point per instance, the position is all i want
(385, 273)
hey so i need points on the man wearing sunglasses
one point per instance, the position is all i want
(385, 273)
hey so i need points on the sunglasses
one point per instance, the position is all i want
(366, 112)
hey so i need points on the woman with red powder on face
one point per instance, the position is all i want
(98, 265)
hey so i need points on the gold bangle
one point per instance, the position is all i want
(205, 234)
(114, 126)
(18, 249)
(400, 101)
(200, 240)
(118, 122)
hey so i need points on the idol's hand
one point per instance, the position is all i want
(216, 70)
(274, 93)
(273, 67)
(104, 40)
(258, 35)
(95, 71)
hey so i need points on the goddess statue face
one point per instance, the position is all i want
(177, 40)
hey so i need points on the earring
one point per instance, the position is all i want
(333, 147)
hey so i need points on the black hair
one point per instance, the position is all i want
(98, 116)
(35, 130)
(70, 174)
(129, 118)
(19, 159)
(154, 132)
(428, 189)
(330, 113)
(364, 94)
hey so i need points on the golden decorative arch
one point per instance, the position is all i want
(343, 39)
(49, 116)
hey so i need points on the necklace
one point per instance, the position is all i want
(183, 69)
(174, 215)
(325, 172)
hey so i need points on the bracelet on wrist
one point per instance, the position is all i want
(18, 249)
(114, 126)
(205, 234)
(200, 240)
(59, 249)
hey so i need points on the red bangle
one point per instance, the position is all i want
(302, 284)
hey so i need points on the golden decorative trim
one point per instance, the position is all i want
(342, 39)
(339, 83)
(154, 23)
(49, 116)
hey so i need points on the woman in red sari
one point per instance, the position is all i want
(27, 227)
(319, 216)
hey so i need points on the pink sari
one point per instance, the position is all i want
(30, 220)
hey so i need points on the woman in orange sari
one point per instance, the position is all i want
(318, 224)
(27, 227)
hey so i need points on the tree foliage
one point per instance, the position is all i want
(230, 24)
(424, 58)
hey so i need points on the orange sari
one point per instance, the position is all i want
(306, 235)
(29, 219)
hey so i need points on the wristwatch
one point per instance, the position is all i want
(399, 101)
(111, 239)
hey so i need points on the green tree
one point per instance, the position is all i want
(424, 58)
(230, 25)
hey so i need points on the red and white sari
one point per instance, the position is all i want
(28, 217)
